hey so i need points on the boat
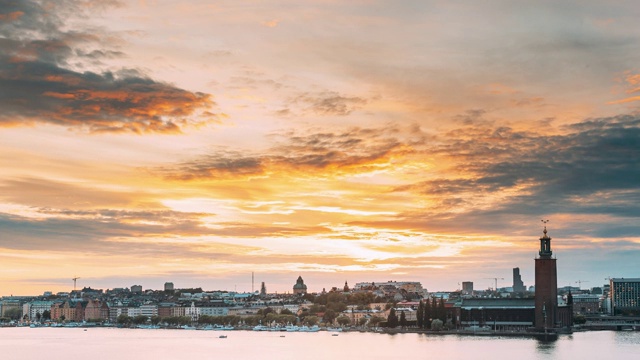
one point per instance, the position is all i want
(222, 336)
(314, 328)
(332, 329)
(260, 328)
(291, 328)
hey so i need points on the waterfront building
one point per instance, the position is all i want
(9, 304)
(299, 288)
(625, 296)
(499, 314)
(149, 310)
(96, 310)
(586, 304)
(214, 311)
(34, 308)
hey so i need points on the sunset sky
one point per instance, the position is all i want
(200, 141)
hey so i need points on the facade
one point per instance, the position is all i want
(518, 285)
(168, 286)
(499, 314)
(32, 309)
(96, 310)
(136, 289)
(625, 296)
(299, 288)
(149, 310)
(586, 304)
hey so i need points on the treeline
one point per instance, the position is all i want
(432, 314)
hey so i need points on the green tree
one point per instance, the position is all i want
(329, 316)
(13, 313)
(362, 321)
(140, 319)
(343, 320)
(124, 319)
(436, 325)
(426, 322)
(392, 319)
(375, 320)
(420, 315)
(403, 319)
(442, 311)
(38, 316)
(311, 320)
(46, 315)
(286, 312)
(579, 319)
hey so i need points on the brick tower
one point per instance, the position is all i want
(546, 286)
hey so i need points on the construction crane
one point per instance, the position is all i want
(496, 280)
(74, 282)
(579, 282)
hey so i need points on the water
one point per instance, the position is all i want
(129, 344)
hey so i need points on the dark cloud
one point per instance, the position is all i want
(38, 83)
(355, 149)
(592, 168)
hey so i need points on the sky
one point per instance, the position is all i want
(200, 142)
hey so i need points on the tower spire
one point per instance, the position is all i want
(545, 242)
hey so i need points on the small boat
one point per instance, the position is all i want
(222, 336)
(334, 334)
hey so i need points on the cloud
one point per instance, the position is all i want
(502, 176)
(329, 103)
(39, 61)
(354, 150)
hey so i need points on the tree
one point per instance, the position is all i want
(124, 319)
(13, 313)
(38, 316)
(420, 315)
(392, 319)
(426, 322)
(140, 319)
(286, 312)
(375, 320)
(46, 315)
(436, 325)
(343, 320)
(442, 311)
(403, 319)
(362, 321)
(329, 316)
(311, 320)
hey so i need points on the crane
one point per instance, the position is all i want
(74, 282)
(579, 282)
(496, 280)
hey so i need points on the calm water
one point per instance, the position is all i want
(128, 344)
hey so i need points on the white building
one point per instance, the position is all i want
(32, 309)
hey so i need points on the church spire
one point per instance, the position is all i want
(545, 242)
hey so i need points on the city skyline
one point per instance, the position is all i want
(151, 141)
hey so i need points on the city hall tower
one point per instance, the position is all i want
(546, 298)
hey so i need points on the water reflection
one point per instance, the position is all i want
(546, 347)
